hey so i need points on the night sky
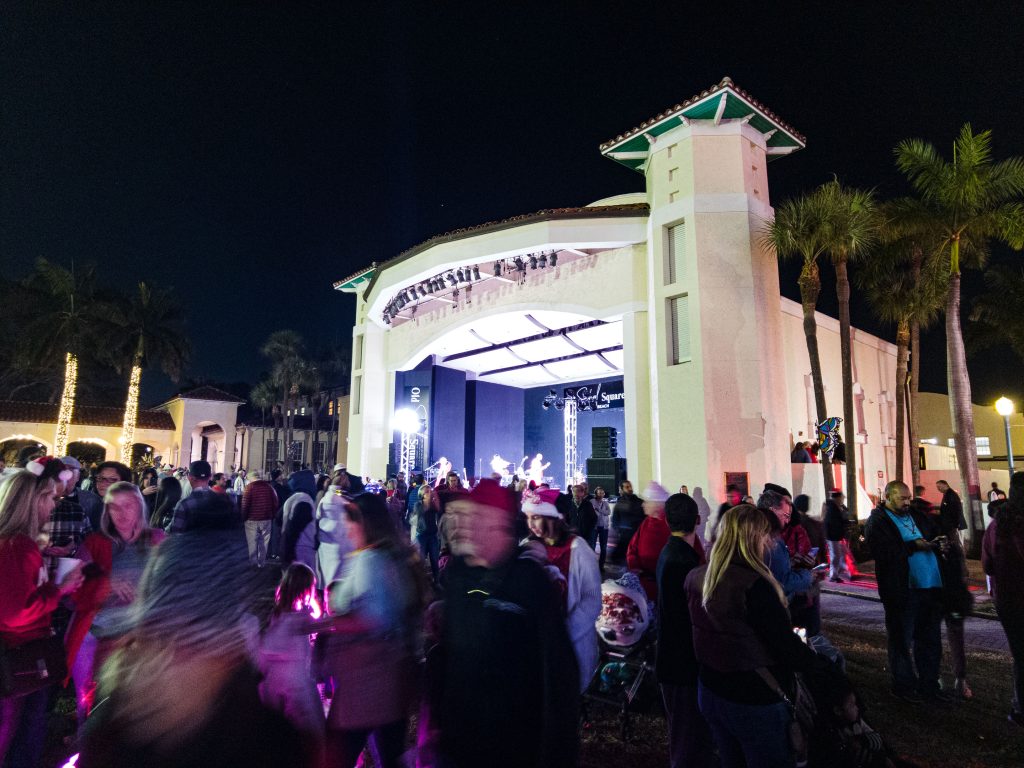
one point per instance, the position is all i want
(249, 154)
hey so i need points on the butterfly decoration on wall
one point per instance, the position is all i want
(828, 434)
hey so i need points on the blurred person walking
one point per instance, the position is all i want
(259, 505)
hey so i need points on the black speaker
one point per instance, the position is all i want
(604, 443)
(607, 473)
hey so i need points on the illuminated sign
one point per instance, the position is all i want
(598, 396)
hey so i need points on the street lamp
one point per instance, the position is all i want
(406, 421)
(1004, 407)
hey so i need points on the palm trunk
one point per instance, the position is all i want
(850, 428)
(810, 288)
(131, 407)
(67, 404)
(961, 410)
(902, 349)
(276, 413)
(316, 429)
(914, 430)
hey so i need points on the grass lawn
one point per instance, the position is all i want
(968, 734)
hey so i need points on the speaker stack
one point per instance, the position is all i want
(604, 468)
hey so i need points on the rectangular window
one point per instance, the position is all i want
(951, 442)
(295, 454)
(675, 253)
(330, 407)
(319, 450)
(272, 451)
(357, 395)
(984, 447)
(678, 330)
(358, 356)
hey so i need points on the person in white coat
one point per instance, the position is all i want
(334, 541)
(579, 576)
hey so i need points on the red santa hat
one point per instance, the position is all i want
(49, 467)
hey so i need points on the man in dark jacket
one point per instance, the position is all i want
(689, 740)
(627, 514)
(583, 518)
(836, 518)
(903, 543)
(951, 510)
(507, 694)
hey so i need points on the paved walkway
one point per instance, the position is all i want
(860, 613)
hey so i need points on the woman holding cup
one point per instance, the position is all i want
(117, 555)
(27, 600)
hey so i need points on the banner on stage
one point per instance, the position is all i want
(599, 396)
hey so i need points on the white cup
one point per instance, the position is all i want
(65, 565)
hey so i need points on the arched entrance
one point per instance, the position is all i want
(88, 452)
(208, 442)
(18, 449)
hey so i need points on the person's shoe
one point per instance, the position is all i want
(835, 579)
(911, 697)
(1017, 718)
(962, 689)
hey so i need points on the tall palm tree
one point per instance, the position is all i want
(286, 352)
(62, 314)
(799, 230)
(904, 290)
(151, 326)
(264, 397)
(966, 203)
(852, 229)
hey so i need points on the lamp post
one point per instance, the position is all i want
(1004, 407)
(406, 421)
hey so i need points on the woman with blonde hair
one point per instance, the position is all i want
(745, 645)
(27, 601)
(117, 555)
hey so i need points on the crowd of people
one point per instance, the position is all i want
(203, 619)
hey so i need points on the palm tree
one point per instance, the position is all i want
(152, 327)
(62, 314)
(799, 229)
(852, 230)
(904, 290)
(286, 352)
(966, 204)
(263, 396)
(999, 313)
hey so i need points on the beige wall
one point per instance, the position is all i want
(162, 440)
(935, 422)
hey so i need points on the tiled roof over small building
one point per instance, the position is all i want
(209, 393)
(85, 415)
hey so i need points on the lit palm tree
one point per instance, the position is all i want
(852, 230)
(62, 314)
(965, 204)
(800, 230)
(151, 325)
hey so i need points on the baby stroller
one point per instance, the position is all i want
(628, 642)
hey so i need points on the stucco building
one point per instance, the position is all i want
(657, 315)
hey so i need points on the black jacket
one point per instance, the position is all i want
(951, 513)
(835, 521)
(891, 553)
(582, 519)
(628, 512)
(676, 663)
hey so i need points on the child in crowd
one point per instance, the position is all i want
(852, 743)
(285, 653)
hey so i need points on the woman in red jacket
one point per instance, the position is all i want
(27, 601)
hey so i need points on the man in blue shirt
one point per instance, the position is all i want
(905, 547)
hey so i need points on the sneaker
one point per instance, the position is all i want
(962, 689)
(835, 579)
(911, 697)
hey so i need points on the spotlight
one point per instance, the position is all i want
(451, 279)
(533, 261)
(460, 277)
(554, 259)
(552, 393)
(559, 404)
(520, 264)
(455, 294)
(543, 261)
(545, 405)
(476, 273)
(423, 291)
(469, 293)
(497, 269)
(430, 286)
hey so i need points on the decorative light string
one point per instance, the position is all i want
(131, 413)
(67, 405)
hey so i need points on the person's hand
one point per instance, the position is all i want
(66, 551)
(124, 590)
(922, 545)
(803, 561)
(819, 573)
(72, 580)
(941, 543)
(149, 490)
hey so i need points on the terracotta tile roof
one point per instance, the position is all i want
(85, 415)
(548, 214)
(726, 83)
(209, 393)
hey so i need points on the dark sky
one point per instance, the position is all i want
(249, 154)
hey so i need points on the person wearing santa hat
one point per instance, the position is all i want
(648, 541)
(574, 561)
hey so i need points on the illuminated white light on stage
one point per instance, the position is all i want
(580, 368)
(407, 422)
(545, 349)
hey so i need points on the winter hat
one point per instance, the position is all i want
(338, 468)
(70, 462)
(655, 492)
(49, 467)
(778, 489)
(535, 504)
(490, 494)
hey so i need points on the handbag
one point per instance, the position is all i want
(33, 665)
(801, 711)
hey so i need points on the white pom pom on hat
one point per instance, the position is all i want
(655, 492)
